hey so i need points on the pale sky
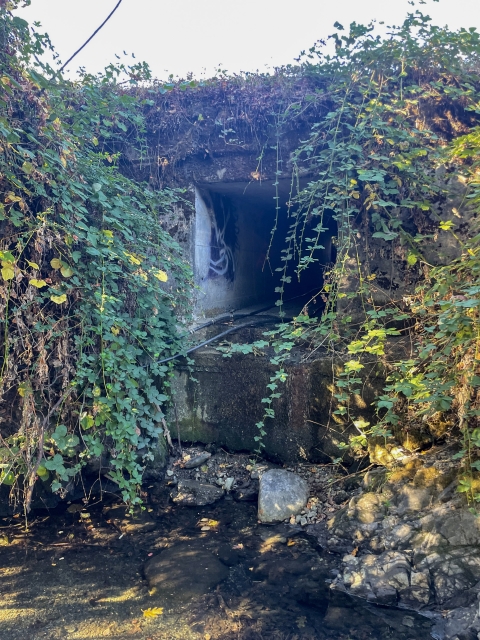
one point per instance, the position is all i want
(200, 36)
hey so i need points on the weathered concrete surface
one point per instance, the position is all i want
(224, 404)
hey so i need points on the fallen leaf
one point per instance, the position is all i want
(290, 542)
(152, 612)
(213, 523)
(206, 528)
(238, 546)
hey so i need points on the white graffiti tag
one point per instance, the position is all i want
(221, 255)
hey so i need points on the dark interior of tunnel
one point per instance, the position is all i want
(248, 257)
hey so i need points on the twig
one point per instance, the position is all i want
(350, 475)
(166, 431)
(92, 36)
(178, 429)
(34, 469)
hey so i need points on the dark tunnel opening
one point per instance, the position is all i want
(238, 261)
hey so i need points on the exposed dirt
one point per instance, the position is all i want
(77, 573)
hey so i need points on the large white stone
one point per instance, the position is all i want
(281, 495)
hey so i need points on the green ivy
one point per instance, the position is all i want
(93, 288)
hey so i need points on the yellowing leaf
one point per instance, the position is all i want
(34, 265)
(161, 275)
(411, 259)
(152, 612)
(37, 283)
(115, 331)
(446, 225)
(213, 523)
(108, 233)
(66, 272)
(95, 141)
(133, 258)
(56, 263)
(8, 273)
(59, 299)
(27, 167)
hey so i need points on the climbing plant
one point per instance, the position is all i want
(401, 131)
(92, 289)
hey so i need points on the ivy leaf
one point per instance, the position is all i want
(161, 275)
(59, 299)
(27, 167)
(66, 272)
(37, 283)
(56, 263)
(8, 273)
(6, 256)
(385, 236)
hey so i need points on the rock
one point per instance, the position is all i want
(463, 623)
(453, 572)
(184, 571)
(156, 460)
(228, 484)
(281, 495)
(399, 537)
(248, 492)
(374, 478)
(460, 527)
(371, 575)
(409, 499)
(197, 461)
(192, 493)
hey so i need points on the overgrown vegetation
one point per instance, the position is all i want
(92, 288)
(401, 133)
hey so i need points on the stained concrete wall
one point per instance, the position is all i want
(219, 400)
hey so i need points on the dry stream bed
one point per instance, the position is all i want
(214, 573)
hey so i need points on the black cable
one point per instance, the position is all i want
(264, 320)
(231, 315)
(92, 36)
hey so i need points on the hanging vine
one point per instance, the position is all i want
(92, 288)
